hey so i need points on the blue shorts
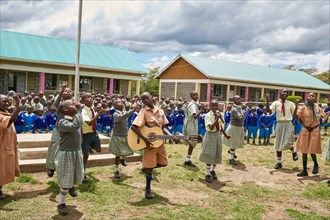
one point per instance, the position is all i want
(90, 140)
(252, 130)
(264, 133)
(19, 129)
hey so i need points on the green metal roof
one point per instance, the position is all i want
(47, 49)
(214, 68)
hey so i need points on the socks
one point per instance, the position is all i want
(279, 159)
(62, 195)
(188, 158)
(293, 150)
(208, 168)
(148, 180)
(232, 154)
(314, 159)
(304, 159)
(213, 167)
(116, 168)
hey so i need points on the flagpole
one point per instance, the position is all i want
(76, 79)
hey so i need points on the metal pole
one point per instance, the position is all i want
(76, 79)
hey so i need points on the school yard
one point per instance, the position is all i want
(250, 190)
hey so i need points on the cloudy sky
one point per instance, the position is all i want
(276, 33)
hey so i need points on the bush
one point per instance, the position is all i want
(262, 100)
(293, 98)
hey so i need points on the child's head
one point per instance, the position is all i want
(214, 105)
(67, 94)
(194, 95)
(264, 109)
(36, 99)
(23, 100)
(68, 107)
(87, 99)
(118, 104)
(29, 109)
(52, 109)
(4, 104)
(311, 98)
(169, 110)
(29, 98)
(237, 100)
(98, 108)
(41, 94)
(253, 110)
(49, 103)
(40, 112)
(228, 108)
(179, 105)
(180, 111)
(249, 104)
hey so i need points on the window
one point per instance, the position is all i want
(85, 84)
(51, 81)
(218, 90)
(116, 86)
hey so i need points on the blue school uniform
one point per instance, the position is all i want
(252, 125)
(40, 125)
(19, 123)
(176, 111)
(51, 120)
(260, 111)
(227, 116)
(131, 119)
(170, 125)
(201, 124)
(274, 123)
(178, 123)
(265, 120)
(297, 125)
(107, 123)
(29, 120)
(99, 124)
(326, 124)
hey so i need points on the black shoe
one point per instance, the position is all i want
(50, 172)
(73, 192)
(235, 157)
(116, 174)
(62, 210)
(315, 169)
(232, 161)
(278, 166)
(85, 180)
(148, 194)
(189, 163)
(2, 196)
(295, 156)
(123, 162)
(214, 175)
(328, 181)
(303, 173)
(208, 178)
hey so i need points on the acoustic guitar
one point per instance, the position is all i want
(155, 135)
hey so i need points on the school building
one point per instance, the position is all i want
(38, 63)
(222, 80)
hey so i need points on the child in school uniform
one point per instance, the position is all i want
(227, 117)
(170, 125)
(274, 123)
(252, 125)
(99, 122)
(19, 123)
(201, 122)
(68, 159)
(40, 125)
(211, 148)
(133, 116)
(119, 144)
(178, 121)
(29, 118)
(264, 123)
(297, 126)
(51, 118)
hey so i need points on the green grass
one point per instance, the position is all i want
(181, 192)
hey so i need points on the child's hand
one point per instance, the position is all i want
(227, 136)
(64, 87)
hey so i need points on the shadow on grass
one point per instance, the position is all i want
(216, 184)
(157, 199)
(195, 169)
(122, 178)
(239, 166)
(315, 178)
(285, 170)
(89, 185)
(74, 214)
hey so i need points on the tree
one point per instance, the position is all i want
(150, 83)
(309, 71)
(325, 77)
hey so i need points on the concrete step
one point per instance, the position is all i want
(41, 152)
(39, 165)
(43, 140)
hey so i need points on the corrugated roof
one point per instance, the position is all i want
(47, 49)
(219, 69)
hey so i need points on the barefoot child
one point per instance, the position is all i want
(309, 139)
(8, 148)
(211, 148)
(118, 144)
(68, 159)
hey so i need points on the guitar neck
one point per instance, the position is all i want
(164, 137)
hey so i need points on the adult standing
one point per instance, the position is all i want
(9, 167)
(284, 130)
(190, 126)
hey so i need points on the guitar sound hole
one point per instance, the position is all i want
(152, 137)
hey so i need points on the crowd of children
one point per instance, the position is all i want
(114, 115)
